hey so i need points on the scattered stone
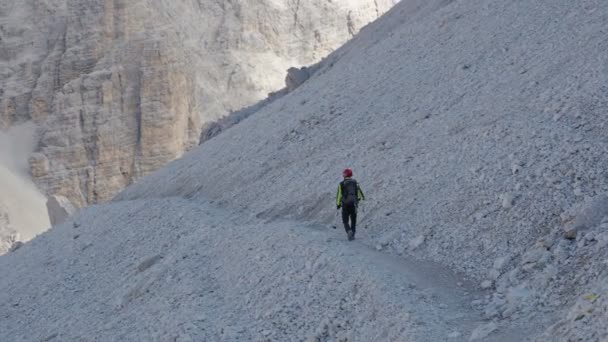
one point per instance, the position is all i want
(500, 263)
(295, 77)
(592, 213)
(59, 209)
(501, 287)
(508, 312)
(549, 273)
(515, 168)
(494, 274)
(517, 295)
(514, 275)
(417, 242)
(545, 243)
(602, 240)
(507, 200)
(483, 331)
(50, 337)
(477, 302)
(491, 312)
(499, 301)
(563, 249)
(544, 259)
(144, 265)
(385, 240)
(528, 267)
(454, 335)
(570, 234)
(487, 284)
(533, 255)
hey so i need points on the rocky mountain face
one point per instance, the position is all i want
(8, 236)
(119, 88)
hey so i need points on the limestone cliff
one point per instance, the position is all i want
(119, 88)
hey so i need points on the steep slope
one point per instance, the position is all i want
(473, 136)
(473, 142)
(476, 145)
(178, 270)
(119, 88)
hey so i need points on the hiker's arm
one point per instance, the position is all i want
(339, 197)
(360, 194)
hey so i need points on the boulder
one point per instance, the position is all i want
(59, 208)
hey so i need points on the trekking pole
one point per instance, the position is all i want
(365, 226)
(335, 226)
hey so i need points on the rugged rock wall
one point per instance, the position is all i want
(8, 236)
(119, 88)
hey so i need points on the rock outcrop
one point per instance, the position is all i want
(8, 236)
(119, 88)
(59, 208)
(214, 128)
(295, 77)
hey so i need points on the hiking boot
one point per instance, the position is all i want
(351, 235)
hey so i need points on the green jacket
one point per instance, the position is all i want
(343, 189)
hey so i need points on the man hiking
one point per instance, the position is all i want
(348, 197)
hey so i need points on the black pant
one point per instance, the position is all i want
(349, 211)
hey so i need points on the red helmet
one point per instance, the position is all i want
(347, 173)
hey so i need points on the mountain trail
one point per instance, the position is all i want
(172, 268)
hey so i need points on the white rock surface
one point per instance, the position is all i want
(176, 269)
(426, 105)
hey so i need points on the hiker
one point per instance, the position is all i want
(348, 197)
